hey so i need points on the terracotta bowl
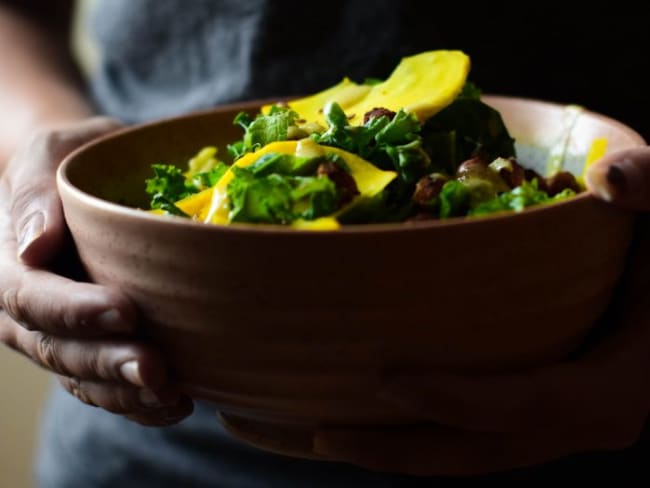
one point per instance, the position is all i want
(285, 330)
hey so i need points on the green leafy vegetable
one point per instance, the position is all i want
(313, 197)
(167, 185)
(394, 204)
(453, 199)
(265, 199)
(279, 199)
(262, 130)
(470, 90)
(207, 179)
(463, 129)
(389, 144)
(526, 195)
(372, 81)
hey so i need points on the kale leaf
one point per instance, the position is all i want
(453, 200)
(465, 128)
(263, 199)
(167, 185)
(470, 90)
(271, 191)
(526, 195)
(388, 144)
(262, 130)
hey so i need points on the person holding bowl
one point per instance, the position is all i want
(161, 58)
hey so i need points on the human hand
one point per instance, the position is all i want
(80, 331)
(483, 424)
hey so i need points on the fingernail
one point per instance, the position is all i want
(149, 398)
(32, 229)
(131, 373)
(616, 177)
(622, 181)
(112, 320)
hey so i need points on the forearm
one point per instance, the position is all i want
(37, 85)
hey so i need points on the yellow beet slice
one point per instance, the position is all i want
(193, 204)
(422, 84)
(323, 223)
(597, 150)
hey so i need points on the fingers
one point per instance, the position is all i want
(623, 178)
(40, 300)
(512, 403)
(92, 359)
(607, 388)
(35, 208)
(118, 376)
(427, 450)
(143, 405)
(164, 416)
(612, 400)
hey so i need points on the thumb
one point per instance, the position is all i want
(623, 178)
(31, 176)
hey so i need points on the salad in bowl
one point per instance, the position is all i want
(421, 145)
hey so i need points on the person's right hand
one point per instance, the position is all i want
(79, 331)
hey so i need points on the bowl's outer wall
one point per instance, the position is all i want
(300, 326)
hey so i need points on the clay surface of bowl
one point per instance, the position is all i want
(284, 330)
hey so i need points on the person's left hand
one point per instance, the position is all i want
(480, 425)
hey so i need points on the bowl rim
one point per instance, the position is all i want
(65, 185)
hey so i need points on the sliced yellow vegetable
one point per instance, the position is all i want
(193, 204)
(370, 180)
(346, 94)
(323, 223)
(205, 160)
(597, 150)
(422, 84)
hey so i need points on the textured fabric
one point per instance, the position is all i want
(86, 447)
(164, 57)
(183, 56)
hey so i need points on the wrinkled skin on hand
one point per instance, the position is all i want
(477, 425)
(82, 332)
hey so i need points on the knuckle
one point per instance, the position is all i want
(48, 141)
(46, 353)
(7, 335)
(27, 305)
(15, 304)
(77, 388)
(91, 365)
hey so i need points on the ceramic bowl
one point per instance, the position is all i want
(286, 330)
